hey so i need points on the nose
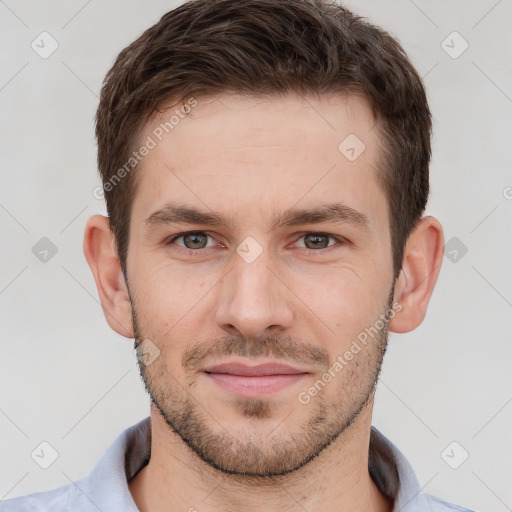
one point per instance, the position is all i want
(253, 299)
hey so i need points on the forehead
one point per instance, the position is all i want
(252, 158)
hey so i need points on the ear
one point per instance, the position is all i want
(99, 250)
(423, 256)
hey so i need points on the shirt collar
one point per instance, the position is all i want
(131, 451)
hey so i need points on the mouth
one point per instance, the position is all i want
(245, 380)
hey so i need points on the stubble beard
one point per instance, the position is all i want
(282, 450)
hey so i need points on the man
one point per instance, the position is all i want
(265, 169)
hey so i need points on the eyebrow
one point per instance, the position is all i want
(337, 213)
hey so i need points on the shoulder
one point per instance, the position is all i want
(390, 464)
(439, 505)
(105, 488)
(62, 499)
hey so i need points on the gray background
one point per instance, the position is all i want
(69, 380)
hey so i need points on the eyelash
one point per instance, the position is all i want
(171, 240)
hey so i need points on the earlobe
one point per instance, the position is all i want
(100, 253)
(423, 256)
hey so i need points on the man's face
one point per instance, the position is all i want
(228, 303)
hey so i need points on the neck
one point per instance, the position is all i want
(338, 479)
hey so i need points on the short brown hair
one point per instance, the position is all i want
(267, 47)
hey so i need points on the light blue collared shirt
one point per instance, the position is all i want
(106, 489)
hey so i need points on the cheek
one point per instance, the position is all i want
(336, 301)
(345, 301)
(169, 297)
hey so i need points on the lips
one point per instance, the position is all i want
(250, 371)
(245, 380)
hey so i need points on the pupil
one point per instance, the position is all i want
(315, 240)
(194, 240)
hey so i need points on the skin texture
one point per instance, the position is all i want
(302, 302)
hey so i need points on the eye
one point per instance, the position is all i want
(192, 240)
(196, 240)
(318, 240)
